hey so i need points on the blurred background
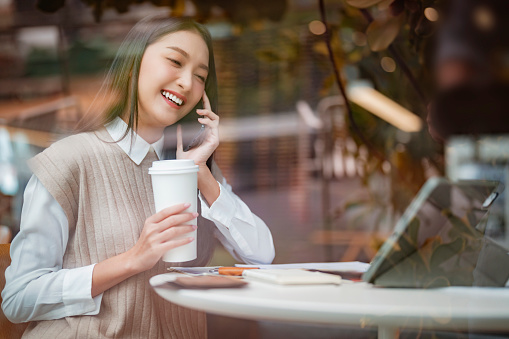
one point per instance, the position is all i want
(425, 82)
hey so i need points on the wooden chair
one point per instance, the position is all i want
(7, 329)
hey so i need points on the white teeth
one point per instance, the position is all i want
(172, 97)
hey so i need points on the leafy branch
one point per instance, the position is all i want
(337, 77)
(399, 60)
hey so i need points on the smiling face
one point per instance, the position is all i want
(172, 78)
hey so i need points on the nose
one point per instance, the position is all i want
(185, 80)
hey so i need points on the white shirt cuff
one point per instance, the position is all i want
(77, 292)
(222, 210)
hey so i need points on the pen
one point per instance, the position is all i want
(237, 271)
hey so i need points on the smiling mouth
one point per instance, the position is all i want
(173, 98)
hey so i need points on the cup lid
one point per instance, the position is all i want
(173, 166)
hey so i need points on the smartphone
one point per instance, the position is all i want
(197, 140)
(193, 133)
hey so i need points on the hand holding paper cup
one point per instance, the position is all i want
(175, 182)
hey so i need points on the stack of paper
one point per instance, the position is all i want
(352, 266)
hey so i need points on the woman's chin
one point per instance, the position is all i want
(167, 119)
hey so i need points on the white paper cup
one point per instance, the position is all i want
(175, 182)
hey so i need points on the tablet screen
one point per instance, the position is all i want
(438, 239)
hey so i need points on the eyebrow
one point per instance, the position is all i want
(185, 54)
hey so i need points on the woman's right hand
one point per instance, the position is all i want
(158, 236)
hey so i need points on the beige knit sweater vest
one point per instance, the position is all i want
(107, 198)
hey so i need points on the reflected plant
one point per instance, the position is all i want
(360, 38)
(393, 30)
(440, 260)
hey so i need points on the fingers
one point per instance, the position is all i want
(176, 220)
(205, 121)
(208, 118)
(180, 147)
(206, 101)
(171, 244)
(176, 231)
(165, 213)
(208, 113)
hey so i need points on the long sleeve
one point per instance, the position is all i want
(241, 232)
(37, 288)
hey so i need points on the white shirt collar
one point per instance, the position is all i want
(140, 147)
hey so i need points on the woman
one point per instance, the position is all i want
(89, 239)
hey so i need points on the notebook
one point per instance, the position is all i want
(291, 277)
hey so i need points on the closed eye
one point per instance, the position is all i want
(201, 78)
(176, 62)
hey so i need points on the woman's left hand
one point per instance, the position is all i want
(201, 153)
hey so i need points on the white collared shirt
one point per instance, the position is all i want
(38, 288)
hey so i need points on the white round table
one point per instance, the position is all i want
(454, 308)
